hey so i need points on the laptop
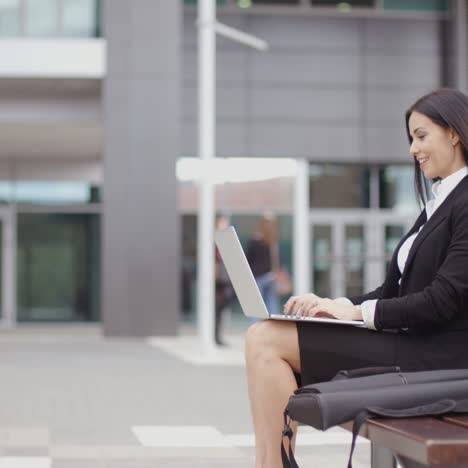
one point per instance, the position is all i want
(246, 288)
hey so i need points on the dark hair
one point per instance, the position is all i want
(447, 108)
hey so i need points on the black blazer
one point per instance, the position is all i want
(433, 294)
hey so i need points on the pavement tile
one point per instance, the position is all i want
(75, 397)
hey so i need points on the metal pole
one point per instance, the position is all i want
(459, 13)
(240, 36)
(206, 151)
(301, 235)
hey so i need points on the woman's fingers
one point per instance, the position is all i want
(309, 310)
(321, 306)
(299, 305)
(289, 304)
(325, 308)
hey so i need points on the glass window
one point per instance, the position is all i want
(274, 2)
(41, 17)
(344, 5)
(339, 186)
(355, 259)
(322, 254)
(194, 2)
(79, 18)
(40, 192)
(245, 227)
(188, 280)
(250, 3)
(58, 267)
(393, 235)
(242, 185)
(6, 192)
(421, 5)
(397, 190)
(9, 18)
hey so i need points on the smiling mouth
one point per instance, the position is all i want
(422, 161)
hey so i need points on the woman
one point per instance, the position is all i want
(417, 319)
(262, 255)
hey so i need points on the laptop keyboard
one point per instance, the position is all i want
(290, 317)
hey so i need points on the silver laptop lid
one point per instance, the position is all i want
(240, 273)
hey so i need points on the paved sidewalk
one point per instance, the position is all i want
(73, 399)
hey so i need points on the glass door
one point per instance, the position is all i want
(350, 249)
(339, 252)
(58, 266)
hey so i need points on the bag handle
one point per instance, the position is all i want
(365, 372)
(288, 461)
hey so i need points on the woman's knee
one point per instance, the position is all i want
(272, 339)
(266, 336)
(255, 334)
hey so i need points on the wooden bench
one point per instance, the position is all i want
(417, 442)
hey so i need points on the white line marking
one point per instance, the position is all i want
(305, 437)
(208, 436)
(25, 462)
(180, 436)
(187, 348)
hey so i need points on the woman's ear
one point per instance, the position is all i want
(454, 138)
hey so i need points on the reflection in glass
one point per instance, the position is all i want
(321, 251)
(194, 2)
(58, 267)
(421, 5)
(275, 2)
(9, 18)
(397, 188)
(393, 235)
(339, 186)
(245, 226)
(79, 18)
(344, 5)
(355, 259)
(40, 192)
(41, 17)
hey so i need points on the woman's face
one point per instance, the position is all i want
(437, 149)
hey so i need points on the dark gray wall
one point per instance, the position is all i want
(328, 89)
(141, 134)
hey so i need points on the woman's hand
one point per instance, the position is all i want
(310, 305)
(298, 305)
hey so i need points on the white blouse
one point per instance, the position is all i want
(440, 190)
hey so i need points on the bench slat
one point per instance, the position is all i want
(458, 420)
(426, 440)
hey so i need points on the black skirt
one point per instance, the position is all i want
(326, 349)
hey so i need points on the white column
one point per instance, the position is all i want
(206, 151)
(301, 230)
(338, 266)
(8, 285)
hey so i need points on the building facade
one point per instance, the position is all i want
(98, 125)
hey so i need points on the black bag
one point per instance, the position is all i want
(374, 392)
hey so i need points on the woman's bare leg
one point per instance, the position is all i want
(272, 355)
